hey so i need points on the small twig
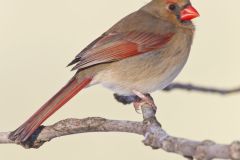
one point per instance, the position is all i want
(4, 138)
(190, 87)
(150, 128)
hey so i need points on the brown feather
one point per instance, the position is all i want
(118, 46)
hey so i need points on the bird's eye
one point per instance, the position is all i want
(172, 7)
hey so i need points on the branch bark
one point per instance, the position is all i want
(190, 87)
(150, 128)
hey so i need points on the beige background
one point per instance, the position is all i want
(38, 39)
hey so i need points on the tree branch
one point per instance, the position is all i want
(150, 128)
(190, 87)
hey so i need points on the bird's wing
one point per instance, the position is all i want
(117, 46)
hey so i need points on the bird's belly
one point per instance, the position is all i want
(144, 73)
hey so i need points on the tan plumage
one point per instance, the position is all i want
(142, 53)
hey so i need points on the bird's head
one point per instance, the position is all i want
(176, 11)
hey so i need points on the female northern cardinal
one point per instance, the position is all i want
(142, 53)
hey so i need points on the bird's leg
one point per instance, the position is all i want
(138, 100)
(144, 99)
(126, 99)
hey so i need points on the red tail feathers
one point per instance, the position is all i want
(22, 133)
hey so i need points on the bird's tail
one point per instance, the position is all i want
(22, 133)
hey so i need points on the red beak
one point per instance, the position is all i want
(189, 13)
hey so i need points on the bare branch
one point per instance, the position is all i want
(190, 87)
(150, 128)
(74, 126)
(4, 138)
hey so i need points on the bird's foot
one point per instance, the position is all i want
(138, 100)
(126, 99)
(144, 99)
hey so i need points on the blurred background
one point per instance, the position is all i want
(39, 38)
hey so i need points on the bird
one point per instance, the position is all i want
(140, 54)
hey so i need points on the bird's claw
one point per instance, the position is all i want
(144, 99)
(137, 107)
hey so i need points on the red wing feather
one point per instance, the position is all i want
(118, 46)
